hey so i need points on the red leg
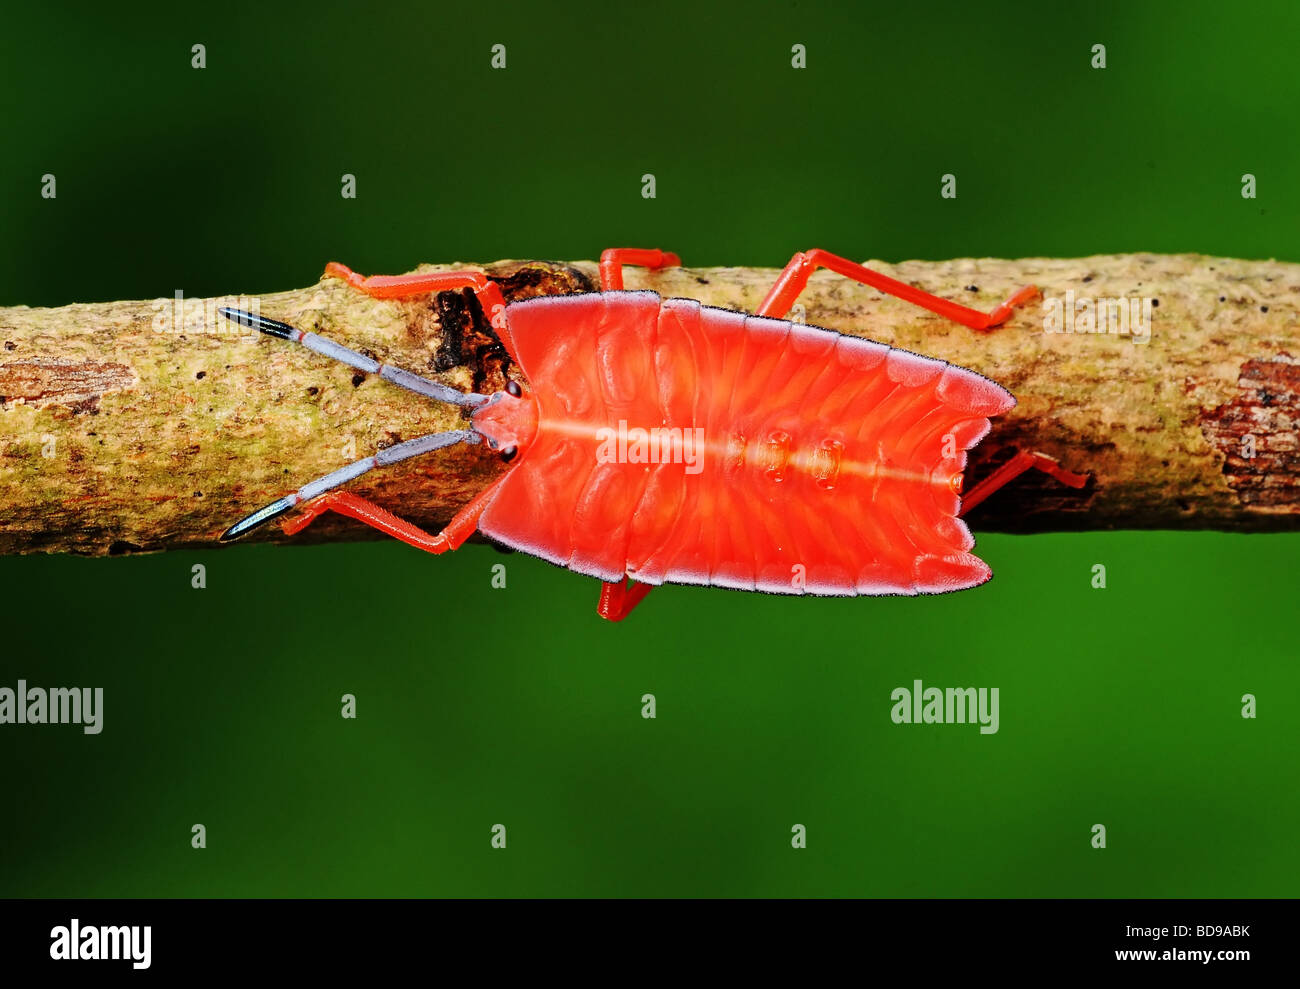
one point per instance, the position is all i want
(612, 261)
(1012, 469)
(458, 529)
(794, 279)
(617, 600)
(402, 286)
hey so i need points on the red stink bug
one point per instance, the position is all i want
(670, 442)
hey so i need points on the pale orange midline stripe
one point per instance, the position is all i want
(799, 460)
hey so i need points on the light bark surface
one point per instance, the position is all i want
(130, 426)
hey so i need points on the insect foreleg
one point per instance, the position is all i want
(794, 279)
(485, 290)
(460, 528)
(318, 487)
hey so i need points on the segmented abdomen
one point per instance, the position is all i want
(680, 443)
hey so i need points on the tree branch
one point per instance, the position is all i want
(146, 425)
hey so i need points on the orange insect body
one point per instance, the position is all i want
(677, 443)
(672, 442)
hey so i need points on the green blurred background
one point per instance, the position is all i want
(518, 706)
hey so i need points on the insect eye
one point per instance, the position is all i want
(513, 389)
(508, 454)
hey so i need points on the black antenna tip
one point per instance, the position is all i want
(272, 327)
(262, 515)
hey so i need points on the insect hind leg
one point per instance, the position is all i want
(794, 279)
(1012, 469)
